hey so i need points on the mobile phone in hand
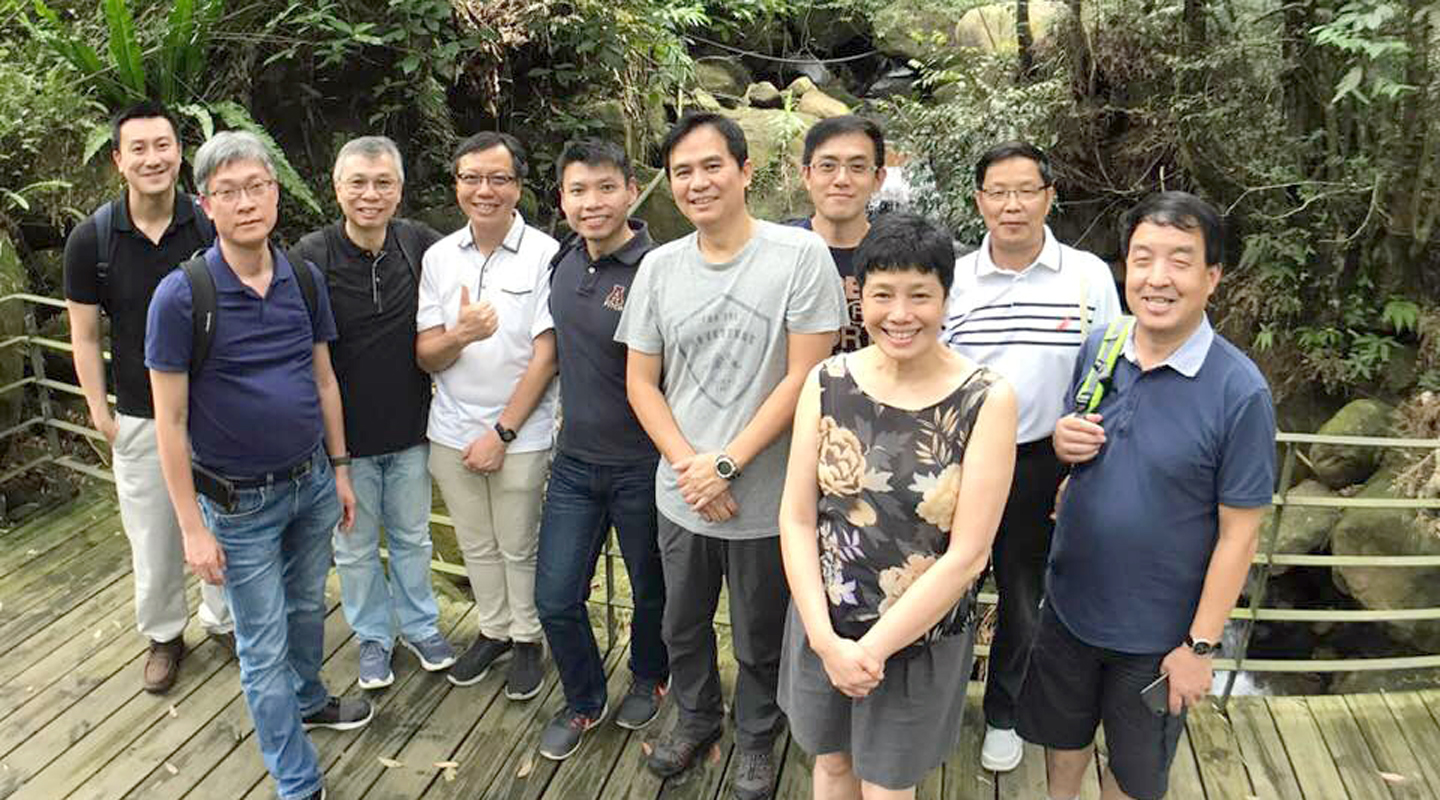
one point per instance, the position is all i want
(1156, 696)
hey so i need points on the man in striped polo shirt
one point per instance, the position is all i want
(1022, 304)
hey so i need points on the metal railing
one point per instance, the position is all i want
(1248, 613)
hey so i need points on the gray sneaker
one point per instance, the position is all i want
(434, 652)
(755, 775)
(563, 734)
(340, 714)
(641, 704)
(374, 666)
(475, 663)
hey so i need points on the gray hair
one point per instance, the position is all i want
(225, 148)
(371, 147)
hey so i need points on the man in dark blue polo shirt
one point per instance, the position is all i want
(604, 468)
(260, 414)
(1158, 524)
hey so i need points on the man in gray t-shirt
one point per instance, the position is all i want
(722, 328)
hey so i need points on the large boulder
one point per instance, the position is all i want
(818, 104)
(930, 30)
(1390, 532)
(1303, 529)
(658, 208)
(764, 95)
(1338, 466)
(12, 323)
(992, 28)
(725, 78)
(776, 143)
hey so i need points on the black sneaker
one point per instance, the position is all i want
(526, 671)
(563, 734)
(674, 753)
(755, 775)
(641, 704)
(340, 714)
(320, 795)
(471, 666)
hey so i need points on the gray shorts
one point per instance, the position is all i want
(895, 735)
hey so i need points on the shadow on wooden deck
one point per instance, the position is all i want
(74, 722)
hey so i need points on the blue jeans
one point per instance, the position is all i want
(582, 502)
(393, 489)
(277, 553)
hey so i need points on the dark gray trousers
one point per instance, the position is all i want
(695, 567)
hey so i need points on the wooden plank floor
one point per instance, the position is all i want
(75, 724)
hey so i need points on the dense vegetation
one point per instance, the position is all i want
(1310, 122)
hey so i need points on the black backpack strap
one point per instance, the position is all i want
(203, 225)
(315, 248)
(308, 290)
(569, 243)
(202, 311)
(414, 238)
(104, 240)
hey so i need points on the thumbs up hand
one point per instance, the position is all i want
(476, 321)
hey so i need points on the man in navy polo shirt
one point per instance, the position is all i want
(260, 415)
(604, 468)
(1158, 524)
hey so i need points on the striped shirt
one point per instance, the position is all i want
(1029, 325)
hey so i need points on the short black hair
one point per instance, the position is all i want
(900, 240)
(1013, 149)
(485, 140)
(595, 153)
(827, 129)
(1178, 210)
(145, 109)
(726, 127)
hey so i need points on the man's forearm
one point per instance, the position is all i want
(773, 418)
(436, 352)
(173, 442)
(332, 414)
(533, 383)
(658, 421)
(90, 370)
(1224, 580)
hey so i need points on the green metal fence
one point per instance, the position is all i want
(1248, 613)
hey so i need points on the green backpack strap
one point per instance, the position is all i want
(1092, 389)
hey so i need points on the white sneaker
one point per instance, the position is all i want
(1002, 749)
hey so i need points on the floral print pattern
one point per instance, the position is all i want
(889, 483)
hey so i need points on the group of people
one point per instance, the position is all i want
(834, 417)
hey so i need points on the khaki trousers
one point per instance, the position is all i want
(497, 525)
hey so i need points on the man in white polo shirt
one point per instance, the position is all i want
(485, 334)
(1022, 304)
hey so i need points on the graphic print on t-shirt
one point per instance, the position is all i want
(723, 348)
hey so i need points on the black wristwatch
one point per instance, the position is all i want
(726, 467)
(1202, 647)
(507, 435)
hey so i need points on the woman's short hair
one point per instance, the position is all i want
(900, 241)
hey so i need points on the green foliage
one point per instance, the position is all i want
(238, 118)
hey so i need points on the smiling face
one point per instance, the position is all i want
(488, 206)
(242, 199)
(708, 185)
(842, 176)
(1015, 217)
(148, 155)
(903, 310)
(368, 190)
(596, 199)
(1167, 282)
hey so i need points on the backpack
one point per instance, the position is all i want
(105, 239)
(315, 246)
(203, 305)
(1097, 379)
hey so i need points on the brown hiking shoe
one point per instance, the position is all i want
(163, 664)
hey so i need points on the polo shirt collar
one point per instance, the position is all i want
(1049, 257)
(632, 251)
(1188, 357)
(227, 281)
(182, 215)
(513, 237)
(351, 250)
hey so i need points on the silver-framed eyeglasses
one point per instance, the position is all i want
(855, 168)
(358, 186)
(497, 180)
(1027, 194)
(255, 190)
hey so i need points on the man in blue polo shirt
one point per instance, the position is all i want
(604, 468)
(1157, 527)
(260, 415)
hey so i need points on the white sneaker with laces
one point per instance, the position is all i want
(1002, 749)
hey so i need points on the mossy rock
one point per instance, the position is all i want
(1390, 532)
(818, 104)
(13, 280)
(776, 141)
(763, 95)
(725, 78)
(1303, 529)
(659, 212)
(991, 28)
(1338, 466)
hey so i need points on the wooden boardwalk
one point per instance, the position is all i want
(75, 724)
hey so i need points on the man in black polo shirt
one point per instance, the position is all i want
(113, 261)
(604, 468)
(371, 263)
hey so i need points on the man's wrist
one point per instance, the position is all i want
(1202, 646)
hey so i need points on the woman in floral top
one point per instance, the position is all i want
(899, 468)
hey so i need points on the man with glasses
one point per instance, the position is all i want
(844, 166)
(486, 335)
(258, 407)
(1022, 305)
(371, 263)
(113, 261)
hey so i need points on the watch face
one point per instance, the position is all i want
(724, 467)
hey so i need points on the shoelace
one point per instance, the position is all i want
(751, 765)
